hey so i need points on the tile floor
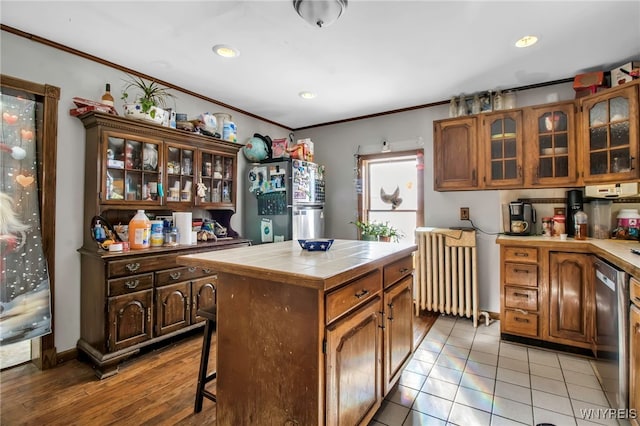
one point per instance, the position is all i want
(461, 375)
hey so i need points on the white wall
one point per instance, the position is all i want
(75, 76)
(336, 145)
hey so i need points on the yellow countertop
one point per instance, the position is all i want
(286, 262)
(617, 252)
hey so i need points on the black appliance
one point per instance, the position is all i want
(522, 218)
(574, 205)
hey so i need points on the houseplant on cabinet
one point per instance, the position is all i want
(149, 104)
(376, 231)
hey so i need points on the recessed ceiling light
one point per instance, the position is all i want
(226, 51)
(307, 95)
(527, 41)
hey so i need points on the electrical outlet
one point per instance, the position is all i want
(464, 213)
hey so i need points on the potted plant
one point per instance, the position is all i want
(149, 103)
(367, 230)
(376, 231)
(387, 232)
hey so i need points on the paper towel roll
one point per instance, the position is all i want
(182, 221)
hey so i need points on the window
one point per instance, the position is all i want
(392, 190)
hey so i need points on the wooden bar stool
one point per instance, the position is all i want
(203, 376)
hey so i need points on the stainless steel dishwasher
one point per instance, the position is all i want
(612, 301)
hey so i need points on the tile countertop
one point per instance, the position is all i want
(288, 263)
(617, 252)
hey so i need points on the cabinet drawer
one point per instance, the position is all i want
(396, 270)
(130, 284)
(171, 276)
(353, 294)
(521, 254)
(522, 298)
(517, 322)
(634, 291)
(516, 273)
(137, 265)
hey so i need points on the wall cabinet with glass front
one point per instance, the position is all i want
(609, 128)
(501, 137)
(145, 166)
(551, 149)
(217, 171)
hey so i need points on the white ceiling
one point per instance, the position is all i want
(379, 56)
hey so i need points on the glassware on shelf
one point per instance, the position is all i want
(462, 106)
(453, 107)
(475, 105)
(509, 99)
(498, 103)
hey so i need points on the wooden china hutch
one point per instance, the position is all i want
(132, 299)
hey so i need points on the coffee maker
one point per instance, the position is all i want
(522, 218)
(574, 204)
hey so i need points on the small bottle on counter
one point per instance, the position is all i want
(107, 98)
(558, 224)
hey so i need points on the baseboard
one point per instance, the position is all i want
(68, 355)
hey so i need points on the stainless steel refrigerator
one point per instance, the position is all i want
(284, 201)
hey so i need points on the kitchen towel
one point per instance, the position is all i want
(182, 221)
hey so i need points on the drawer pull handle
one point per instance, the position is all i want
(637, 298)
(207, 270)
(521, 311)
(519, 254)
(192, 269)
(520, 271)
(131, 284)
(521, 319)
(361, 294)
(175, 275)
(521, 295)
(132, 267)
(404, 270)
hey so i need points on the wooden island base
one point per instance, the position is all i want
(308, 338)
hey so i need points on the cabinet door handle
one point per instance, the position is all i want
(390, 311)
(131, 284)
(631, 162)
(361, 294)
(521, 295)
(148, 314)
(132, 267)
(175, 275)
(192, 269)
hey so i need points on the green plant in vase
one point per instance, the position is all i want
(376, 231)
(150, 101)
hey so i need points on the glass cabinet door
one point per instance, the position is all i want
(502, 134)
(554, 152)
(611, 125)
(180, 174)
(216, 181)
(132, 171)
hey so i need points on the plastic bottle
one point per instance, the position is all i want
(580, 221)
(139, 231)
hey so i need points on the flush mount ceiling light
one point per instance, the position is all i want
(320, 13)
(527, 41)
(225, 51)
(307, 95)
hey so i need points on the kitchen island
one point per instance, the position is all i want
(309, 338)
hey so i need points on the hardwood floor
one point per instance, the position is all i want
(155, 388)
